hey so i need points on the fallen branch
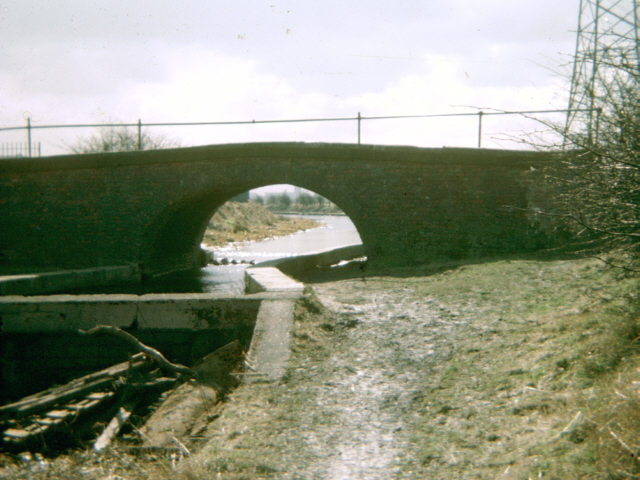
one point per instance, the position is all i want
(147, 350)
(116, 423)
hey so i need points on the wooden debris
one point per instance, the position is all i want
(74, 389)
(634, 453)
(17, 434)
(151, 449)
(181, 446)
(188, 407)
(114, 426)
(67, 412)
(214, 369)
(25, 422)
(147, 350)
(570, 427)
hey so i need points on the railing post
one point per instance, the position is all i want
(29, 135)
(139, 134)
(359, 120)
(480, 129)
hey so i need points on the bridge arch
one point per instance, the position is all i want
(176, 234)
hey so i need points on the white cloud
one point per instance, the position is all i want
(201, 60)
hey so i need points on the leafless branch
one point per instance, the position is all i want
(147, 350)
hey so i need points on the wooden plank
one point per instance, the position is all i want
(35, 429)
(100, 395)
(89, 402)
(73, 389)
(53, 399)
(79, 405)
(47, 422)
(16, 434)
(137, 362)
(60, 414)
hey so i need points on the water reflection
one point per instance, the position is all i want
(337, 231)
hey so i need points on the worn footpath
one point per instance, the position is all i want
(471, 372)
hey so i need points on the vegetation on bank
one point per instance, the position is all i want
(546, 382)
(537, 381)
(247, 221)
(597, 183)
(305, 203)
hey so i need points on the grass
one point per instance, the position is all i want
(565, 345)
(241, 222)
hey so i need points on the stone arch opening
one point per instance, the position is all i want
(271, 222)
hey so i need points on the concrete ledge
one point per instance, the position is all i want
(270, 279)
(58, 281)
(270, 347)
(183, 325)
(68, 313)
(299, 264)
(40, 343)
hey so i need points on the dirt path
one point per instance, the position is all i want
(468, 373)
(371, 378)
(345, 409)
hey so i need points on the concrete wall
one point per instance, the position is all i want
(66, 280)
(410, 205)
(299, 264)
(40, 344)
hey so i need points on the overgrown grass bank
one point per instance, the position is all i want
(536, 375)
(246, 221)
(544, 380)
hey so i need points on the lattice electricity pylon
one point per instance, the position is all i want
(607, 52)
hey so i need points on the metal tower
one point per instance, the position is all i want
(607, 51)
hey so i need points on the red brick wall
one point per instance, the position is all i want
(410, 205)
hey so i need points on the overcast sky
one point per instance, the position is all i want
(72, 61)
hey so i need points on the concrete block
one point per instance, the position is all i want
(270, 279)
(270, 346)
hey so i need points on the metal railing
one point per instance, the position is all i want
(139, 125)
(20, 150)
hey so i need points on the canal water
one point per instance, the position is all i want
(336, 231)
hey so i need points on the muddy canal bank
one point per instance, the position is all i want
(472, 372)
(507, 369)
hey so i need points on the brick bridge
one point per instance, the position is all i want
(410, 205)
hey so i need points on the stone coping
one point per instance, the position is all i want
(270, 279)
